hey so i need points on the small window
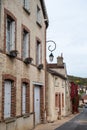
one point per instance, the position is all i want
(63, 83)
(7, 99)
(25, 52)
(56, 101)
(38, 55)
(62, 100)
(56, 82)
(25, 98)
(26, 5)
(10, 34)
(39, 20)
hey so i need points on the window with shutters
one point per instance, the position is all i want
(39, 20)
(10, 34)
(38, 53)
(7, 99)
(26, 4)
(8, 96)
(25, 98)
(25, 51)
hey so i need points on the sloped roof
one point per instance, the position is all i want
(56, 74)
(55, 66)
(44, 12)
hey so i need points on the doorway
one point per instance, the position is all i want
(37, 104)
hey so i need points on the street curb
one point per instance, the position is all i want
(55, 124)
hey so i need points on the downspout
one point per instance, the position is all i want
(0, 16)
(45, 79)
(0, 21)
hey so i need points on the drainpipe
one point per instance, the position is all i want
(0, 20)
(45, 111)
(0, 13)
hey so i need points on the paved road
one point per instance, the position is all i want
(77, 123)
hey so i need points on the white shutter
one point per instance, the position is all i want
(26, 45)
(38, 15)
(23, 99)
(24, 52)
(26, 4)
(6, 36)
(39, 53)
(7, 99)
(8, 28)
(12, 43)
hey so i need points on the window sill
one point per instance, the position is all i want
(10, 119)
(26, 10)
(39, 24)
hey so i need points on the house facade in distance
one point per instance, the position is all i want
(23, 26)
(57, 91)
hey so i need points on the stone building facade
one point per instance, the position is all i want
(58, 102)
(23, 26)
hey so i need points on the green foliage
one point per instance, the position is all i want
(78, 80)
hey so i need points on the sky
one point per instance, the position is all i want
(68, 29)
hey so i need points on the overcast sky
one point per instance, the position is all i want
(68, 28)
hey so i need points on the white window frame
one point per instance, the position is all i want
(24, 87)
(26, 4)
(10, 35)
(25, 44)
(7, 98)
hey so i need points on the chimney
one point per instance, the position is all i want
(60, 60)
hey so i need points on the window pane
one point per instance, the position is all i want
(10, 35)
(12, 43)
(26, 4)
(25, 45)
(38, 15)
(24, 98)
(38, 53)
(7, 99)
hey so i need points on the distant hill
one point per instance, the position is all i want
(78, 80)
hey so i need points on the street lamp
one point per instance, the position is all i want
(51, 56)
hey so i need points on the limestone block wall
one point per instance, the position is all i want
(54, 87)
